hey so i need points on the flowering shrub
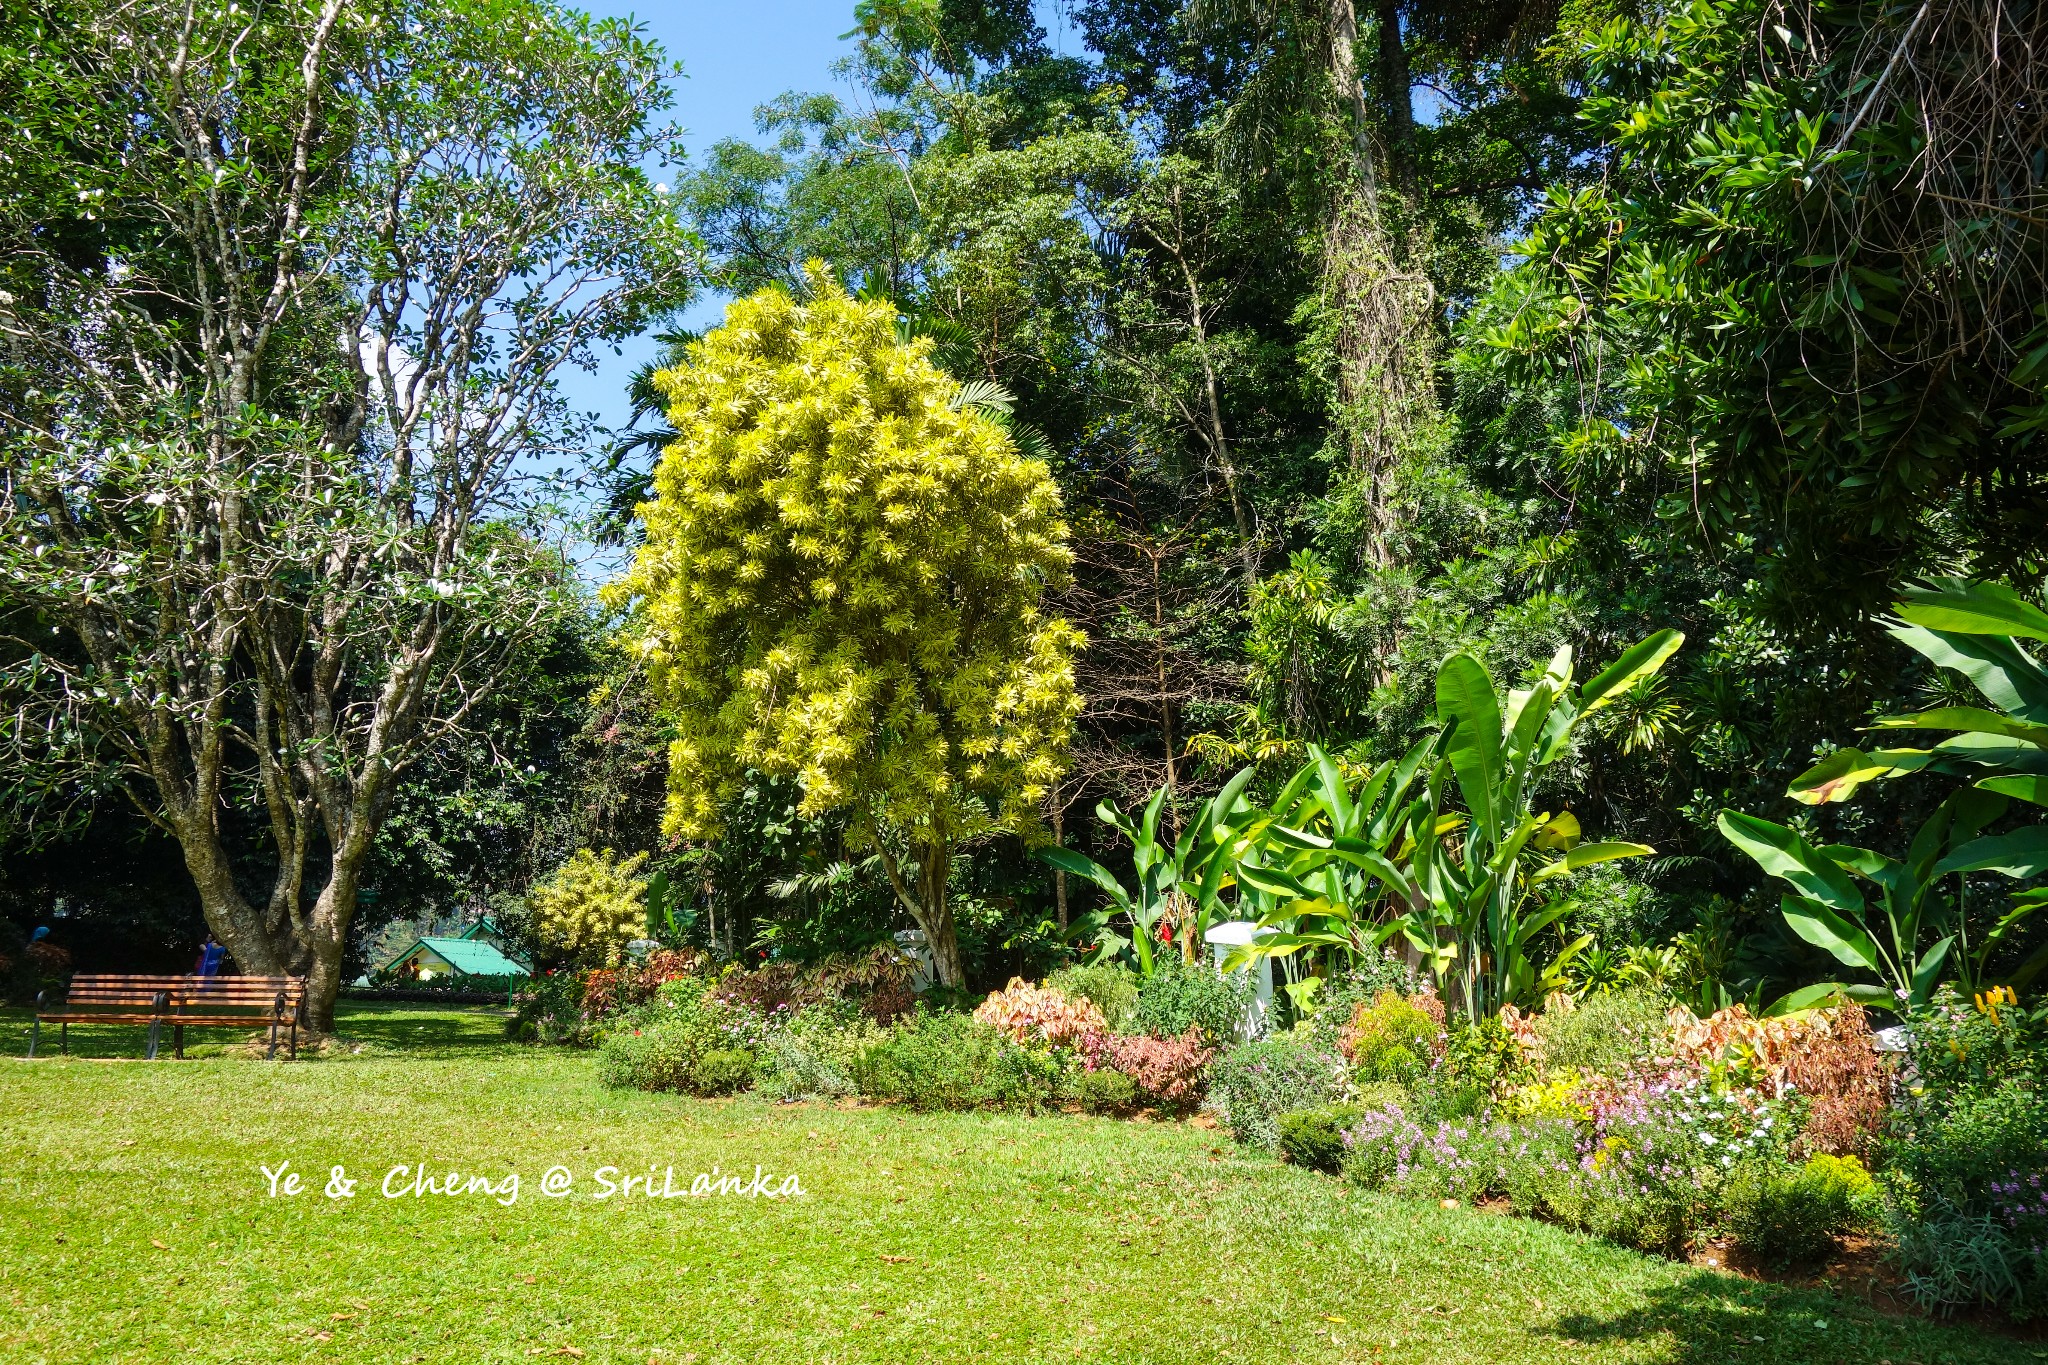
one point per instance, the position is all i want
(1167, 1071)
(1033, 1014)
(1252, 1085)
(1966, 1161)
(1450, 1159)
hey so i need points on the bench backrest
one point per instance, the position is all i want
(189, 994)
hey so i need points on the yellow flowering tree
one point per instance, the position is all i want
(841, 582)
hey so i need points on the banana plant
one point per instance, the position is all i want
(1190, 874)
(1306, 865)
(1908, 931)
(1974, 629)
(1458, 886)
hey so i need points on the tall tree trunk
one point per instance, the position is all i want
(1396, 99)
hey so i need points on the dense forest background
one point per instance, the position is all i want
(1353, 334)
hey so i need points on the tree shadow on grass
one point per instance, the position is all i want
(418, 1029)
(379, 1027)
(1710, 1317)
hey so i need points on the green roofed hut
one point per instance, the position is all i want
(469, 957)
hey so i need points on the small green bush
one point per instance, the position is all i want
(816, 1054)
(1789, 1215)
(1106, 1092)
(1390, 1038)
(1315, 1137)
(664, 1054)
(1252, 1085)
(665, 1044)
(1109, 987)
(949, 1061)
(1603, 1034)
(721, 1071)
(1176, 998)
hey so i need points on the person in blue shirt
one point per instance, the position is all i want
(209, 958)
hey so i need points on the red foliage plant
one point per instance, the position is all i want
(880, 982)
(1168, 1070)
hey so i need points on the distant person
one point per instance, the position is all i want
(209, 958)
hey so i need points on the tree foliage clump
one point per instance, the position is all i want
(592, 906)
(841, 583)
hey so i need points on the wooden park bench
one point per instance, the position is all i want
(202, 1001)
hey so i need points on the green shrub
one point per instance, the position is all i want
(1105, 1092)
(817, 1053)
(1790, 1215)
(1603, 1034)
(1479, 1060)
(1176, 998)
(1112, 990)
(669, 1044)
(667, 1054)
(721, 1071)
(1390, 1038)
(948, 1061)
(1252, 1085)
(1343, 993)
(1967, 1158)
(1314, 1138)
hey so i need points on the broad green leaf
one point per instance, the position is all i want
(2023, 853)
(1927, 974)
(1466, 704)
(1968, 718)
(2009, 679)
(1968, 608)
(2022, 787)
(1823, 928)
(1807, 998)
(1637, 663)
(1784, 854)
(1585, 855)
(1081, 865)
(1836, 777)
(1561, 831)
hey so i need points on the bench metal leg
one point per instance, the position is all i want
(35, 1026)
(295, 1029)
(178, 1041)
(155, 1027)
(64, 1037)
(276, 1009)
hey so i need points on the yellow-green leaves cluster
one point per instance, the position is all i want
(592, 906)
(842, 577)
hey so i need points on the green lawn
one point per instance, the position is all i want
(135, 1225)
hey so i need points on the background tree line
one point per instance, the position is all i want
(1353, 335)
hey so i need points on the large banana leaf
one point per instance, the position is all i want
(2023, 853)
(1819, 925)
(2008, 677)
(1967, 608)
(1468, 708)
(1585, 855)
(1636, 663)
(1782, 853)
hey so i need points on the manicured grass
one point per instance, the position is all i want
(136, 1226)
